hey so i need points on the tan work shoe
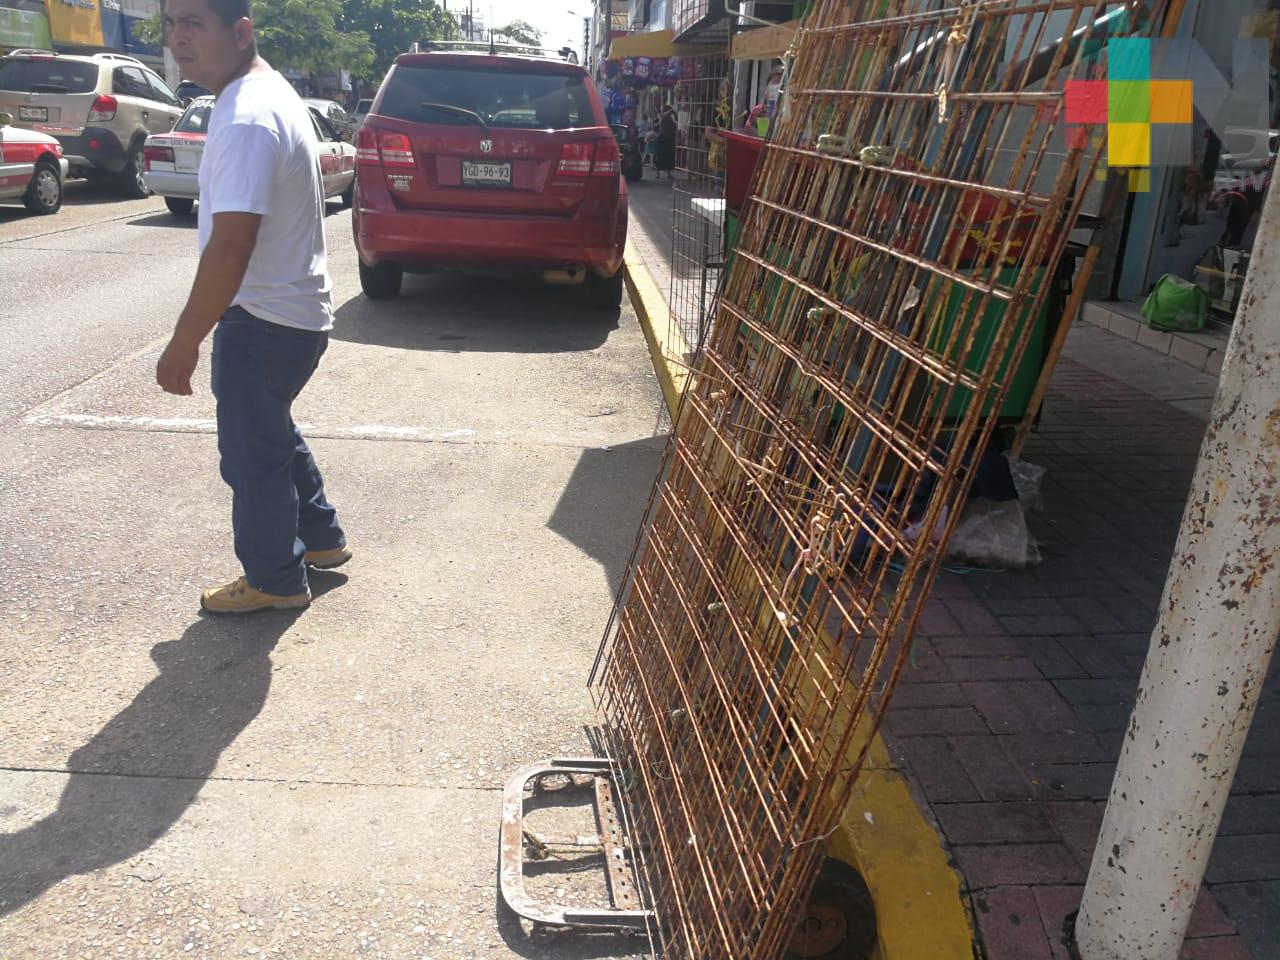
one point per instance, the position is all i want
(238, 597)
(328, 559)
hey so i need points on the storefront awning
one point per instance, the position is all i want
(764, 43)
(656, 43)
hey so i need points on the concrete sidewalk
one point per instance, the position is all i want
(1010, 717)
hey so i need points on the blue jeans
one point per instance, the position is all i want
(278, 506)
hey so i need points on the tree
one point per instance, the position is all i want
(305, 35)
(302, 34)
(393, 26)
(519, 31)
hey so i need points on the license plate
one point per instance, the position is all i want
(33, 113)
(481, 174)
(186, 161)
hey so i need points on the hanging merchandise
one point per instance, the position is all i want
(643, 66)
(629, 67)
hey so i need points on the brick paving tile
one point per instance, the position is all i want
(992, 668)
(1093, 613)
(937, 621)
(1106, 718)
(1050, 625)
(1057, 748)
(913, 695)
(1257, 778)
(1250, 814)
(1023, 606)
(1009, 923)
(1100, 658)
(972, 615)
(1017, 864)
(995, 823)
(924, 665)
(1136, 617)
(1091, 691)
(998, 645)
(993, 773)
(1217, 948)
(1072, 781)
(1078, 822)
(1245, 857)
(1056, 905)
(1254, 908)
(1051, 657)
(937, 768)
(1208, 918)
(1018, 706)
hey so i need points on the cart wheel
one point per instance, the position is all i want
(839, 920)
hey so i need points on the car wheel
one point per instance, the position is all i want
(132, 181)
(349, 195)
(381, 282)
(605, 293)
(181, 206)
(44, 193)
(839, 919)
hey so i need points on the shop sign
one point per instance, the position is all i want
(24, 28)
(112, 24)
(76, 22)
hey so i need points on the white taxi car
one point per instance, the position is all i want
(32, 167)
(173, 158)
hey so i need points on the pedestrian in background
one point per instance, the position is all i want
(263, 281)
(665, 153)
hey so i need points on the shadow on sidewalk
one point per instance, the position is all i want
(604, 501)
(456, 313)
(137, 776)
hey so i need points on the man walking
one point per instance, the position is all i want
(263, 281)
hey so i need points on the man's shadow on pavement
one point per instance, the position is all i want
(138, 775)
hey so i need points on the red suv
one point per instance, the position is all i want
(482, 160)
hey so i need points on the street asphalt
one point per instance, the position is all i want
(323, 784)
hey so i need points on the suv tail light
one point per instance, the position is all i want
(588, 158)
(396, 150)
(158, 155)
(367, 146)
(103, 109)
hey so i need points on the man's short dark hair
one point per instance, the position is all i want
(229, 11)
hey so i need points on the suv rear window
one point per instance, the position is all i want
(196, 119)
(47, 76)
(528, 99)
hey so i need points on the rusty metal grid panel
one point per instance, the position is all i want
(697, 196)
(898, 245)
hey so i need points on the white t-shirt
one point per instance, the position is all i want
(261, 157)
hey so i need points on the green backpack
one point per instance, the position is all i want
(1176, 304)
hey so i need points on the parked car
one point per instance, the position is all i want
(338, 118)
(173, 159)
(188, 91)
(362, 110)
(475, 160)
(101, 108)
(32, 167)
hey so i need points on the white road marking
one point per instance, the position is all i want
(373, 431)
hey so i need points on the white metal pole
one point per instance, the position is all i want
(1219, 620)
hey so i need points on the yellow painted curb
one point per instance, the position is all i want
(920, 912)
(664, 341)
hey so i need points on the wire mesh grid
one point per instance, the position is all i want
(892, 259)
(697, 254)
